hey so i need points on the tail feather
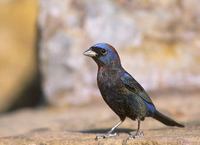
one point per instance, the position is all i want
(166, 120)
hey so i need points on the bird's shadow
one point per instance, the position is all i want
(104, 130)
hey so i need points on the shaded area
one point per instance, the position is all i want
(105, 130)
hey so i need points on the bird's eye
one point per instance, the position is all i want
(103, 51)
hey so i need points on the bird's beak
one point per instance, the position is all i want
(90, 53)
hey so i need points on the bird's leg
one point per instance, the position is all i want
(138, 132)
(109, 133)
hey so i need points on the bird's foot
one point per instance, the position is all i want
(107, 135)
(136, 135)
(133, 136)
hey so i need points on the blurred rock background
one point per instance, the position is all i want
(158, 42)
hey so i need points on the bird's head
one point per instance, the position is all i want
(103, 54)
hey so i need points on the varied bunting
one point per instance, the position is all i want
(123, 94)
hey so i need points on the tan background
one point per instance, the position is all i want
(17, 48)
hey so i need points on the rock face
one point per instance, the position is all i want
(158, 42)
(72, 138)
(79, 125)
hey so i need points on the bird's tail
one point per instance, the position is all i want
(166, 120)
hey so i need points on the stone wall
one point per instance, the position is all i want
(158, 42)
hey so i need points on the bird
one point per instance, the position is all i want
(122, 93)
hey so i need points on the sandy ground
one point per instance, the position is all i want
(79, 125)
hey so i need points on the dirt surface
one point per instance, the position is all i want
(79, 126)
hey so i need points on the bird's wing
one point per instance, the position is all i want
(132, 85)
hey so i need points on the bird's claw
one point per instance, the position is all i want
(136, 135)
(107, 135)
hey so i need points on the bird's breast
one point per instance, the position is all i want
(106, 79)
(109, 83)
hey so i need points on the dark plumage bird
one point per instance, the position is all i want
(123, 94)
